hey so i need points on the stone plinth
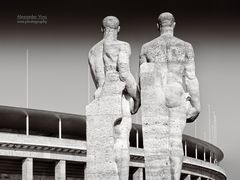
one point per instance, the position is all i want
(102, 114)
(154, 124)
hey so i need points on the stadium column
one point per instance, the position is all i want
(137, 139)
(138, 174)
(210, 157)
(85, 169)
(196, 152)
(27, 169)
(60, 128)
(185, 148)
(60, 170)
(204, 154)
(188, 177)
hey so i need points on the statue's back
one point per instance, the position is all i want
(165, 49)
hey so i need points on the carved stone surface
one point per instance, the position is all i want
(109, 115)
(101, 116)
(169, 95)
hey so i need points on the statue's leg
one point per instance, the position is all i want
(121, 147)
(177, 123)
(121, 136)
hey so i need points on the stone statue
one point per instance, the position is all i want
(109, 115)
(169, 96)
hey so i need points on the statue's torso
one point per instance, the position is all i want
(106, 56)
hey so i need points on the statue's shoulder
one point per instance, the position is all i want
(188, 46)
(185, 44)
(96, 48)
(124, 44)
(152, 42)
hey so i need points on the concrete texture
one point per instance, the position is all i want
(101, 162)
(169, 95)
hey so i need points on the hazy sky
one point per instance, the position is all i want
(58, 70)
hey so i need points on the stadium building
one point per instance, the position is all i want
(44, 145)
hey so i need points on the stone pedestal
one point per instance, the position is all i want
(102, 114)
(154, 124)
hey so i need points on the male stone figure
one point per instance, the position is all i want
(109, 115)
(170, 95)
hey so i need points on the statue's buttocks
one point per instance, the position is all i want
(174, 95)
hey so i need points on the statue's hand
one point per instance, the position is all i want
(192, 114)
(134, 105)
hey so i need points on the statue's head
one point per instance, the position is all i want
(166, 20)
(110, 23)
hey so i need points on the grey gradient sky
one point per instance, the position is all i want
(58, 69)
